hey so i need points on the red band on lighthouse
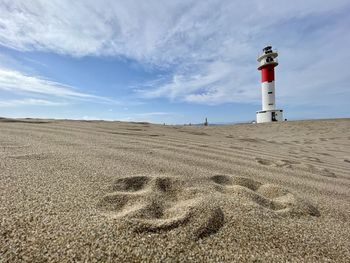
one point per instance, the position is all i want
(268, 73)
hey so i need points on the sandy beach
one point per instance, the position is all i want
(97, 191)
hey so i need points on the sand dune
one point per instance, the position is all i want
(131, 192)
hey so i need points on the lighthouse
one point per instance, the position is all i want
(267, 63)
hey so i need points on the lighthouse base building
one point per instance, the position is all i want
(269, 116)
(267, 63)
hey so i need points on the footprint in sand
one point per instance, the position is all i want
(30, 157)
(277, 163)
(319, 171)
(312, 158)
(156, 203)
(269, 196)
(298, 165)
(161, 203)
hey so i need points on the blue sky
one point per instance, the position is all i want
(171, 61)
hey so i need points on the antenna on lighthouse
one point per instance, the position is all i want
(267, 63)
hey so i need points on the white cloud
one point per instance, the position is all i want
(156, 113)
(16, 82)
(214, 83)
(90, 118)
(143, 30)
(29, 102)
(208, 46)
(153, 117)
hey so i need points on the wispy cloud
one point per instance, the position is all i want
(30, 102)
(150, 114)
(209, 47)
(212, 84)
(17, 82)
(145, 31)
(155, 117)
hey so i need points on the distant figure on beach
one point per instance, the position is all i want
(206, 122)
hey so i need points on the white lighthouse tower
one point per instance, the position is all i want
(267, 63)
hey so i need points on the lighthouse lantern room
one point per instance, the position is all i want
(267, 63)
